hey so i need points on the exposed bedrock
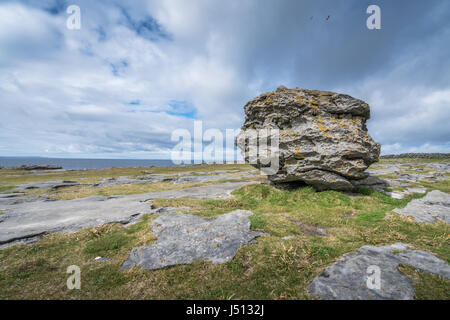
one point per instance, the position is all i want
(185, 238)
(28, 217)
(348, 278)
(323, 139)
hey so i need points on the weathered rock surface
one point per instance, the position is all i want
(371, 182)
(10, 195)
(30, 219)
(405, 173)
(185, 238)
(347, 279)
(27, 217)
(48, 184)
(434, 206)
(109, 182)
(11, 201)
(323, 136)
(441, 166)
(405, 177)
(175, 178)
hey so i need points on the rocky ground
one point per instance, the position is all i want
(222, 231)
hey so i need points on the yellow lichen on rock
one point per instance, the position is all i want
(322, 128)
(297, 153)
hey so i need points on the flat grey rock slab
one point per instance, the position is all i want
(416, 190)
(10, 195)
(150, 178)
(175, 178)
(403, 193)
(185, 238)
(395, 183)
(109, 182)
(430, 177)
(380, 170)
(402, 178)
(6, 202)
(396, 194)
(434, 206)
(441, 166)
(47, 184)
(347, 279)
(30, 218)
(208, 178)
(215, 191)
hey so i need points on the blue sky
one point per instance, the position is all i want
(138, 70)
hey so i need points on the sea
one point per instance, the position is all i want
(81, 164)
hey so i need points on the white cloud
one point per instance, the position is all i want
(71, 92)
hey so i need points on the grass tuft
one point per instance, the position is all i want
(106, 243)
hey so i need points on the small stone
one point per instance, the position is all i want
(10, 195)
(99, 259)
(416, 190)
(396, 195)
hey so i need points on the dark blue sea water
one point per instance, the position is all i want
(79, 164)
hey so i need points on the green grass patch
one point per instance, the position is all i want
(108, 276)
(5, 189)
(427, 286)
(371, 217)
(257, 222)
(106, 243)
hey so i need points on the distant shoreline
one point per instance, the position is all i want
(86, 164)
(82, 164)
(416, 155)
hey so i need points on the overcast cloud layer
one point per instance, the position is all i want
(137, 70)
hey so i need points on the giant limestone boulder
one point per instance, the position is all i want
(323, 139)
